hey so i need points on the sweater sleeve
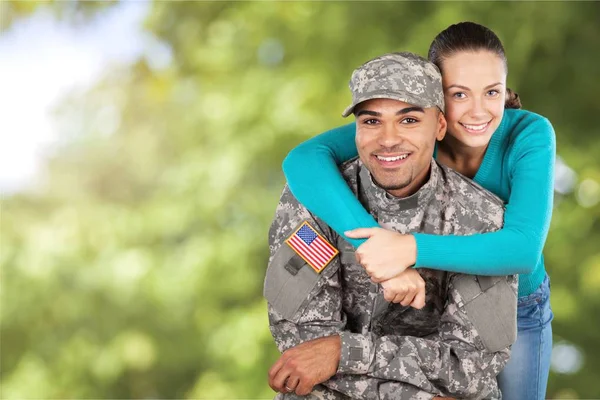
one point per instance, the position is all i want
(517, 247)
(314, 178)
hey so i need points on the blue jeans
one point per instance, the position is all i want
(526, 374)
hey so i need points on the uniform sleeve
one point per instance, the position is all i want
(318, 313)
(311, 170)
(321, 314)
(456, 362)
(517, 247)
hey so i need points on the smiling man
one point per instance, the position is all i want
(395, 142)
(339, 337)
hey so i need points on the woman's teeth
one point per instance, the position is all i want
(476, 128)
(390, 159)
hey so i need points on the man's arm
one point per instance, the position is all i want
(295, 319)
(454, 362)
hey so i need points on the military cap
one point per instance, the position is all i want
(402, 76)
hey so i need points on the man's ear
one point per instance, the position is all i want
(442, 126)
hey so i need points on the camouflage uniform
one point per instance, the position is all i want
(457, 344)
(390, 351)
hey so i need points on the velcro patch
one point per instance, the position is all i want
(312, 247)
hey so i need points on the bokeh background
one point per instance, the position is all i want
(140, 150)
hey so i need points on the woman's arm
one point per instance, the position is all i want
(517, 247)
(514, 249)
(313, 176)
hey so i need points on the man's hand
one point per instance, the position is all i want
(302, 367)
(408, 289)
(386, 253)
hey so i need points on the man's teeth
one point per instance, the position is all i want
(476, 127)
(396, 158)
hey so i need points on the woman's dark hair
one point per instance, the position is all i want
(469, 36)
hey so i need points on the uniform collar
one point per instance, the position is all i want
(378, 198)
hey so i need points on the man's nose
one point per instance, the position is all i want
(390, 136)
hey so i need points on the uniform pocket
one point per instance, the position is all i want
(491, 305)
(289, 282)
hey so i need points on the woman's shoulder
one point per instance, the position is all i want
(527, 131)
(523, 127)
(524, 121)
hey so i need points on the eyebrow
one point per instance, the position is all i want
(466, 88)
(399, 112)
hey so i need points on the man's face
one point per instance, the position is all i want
(395, 141)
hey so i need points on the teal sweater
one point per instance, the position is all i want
(518, 166)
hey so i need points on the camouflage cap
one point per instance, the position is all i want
(403, 76)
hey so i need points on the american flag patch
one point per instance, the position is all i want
(312, 247)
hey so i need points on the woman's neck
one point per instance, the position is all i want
(459, 157)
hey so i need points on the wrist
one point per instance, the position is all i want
(411, 250)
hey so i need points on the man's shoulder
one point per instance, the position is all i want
(467, 191)
(350, 171)
(290, 214)
(470, 198)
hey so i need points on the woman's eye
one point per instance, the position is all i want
(459, 95)
(493, 93)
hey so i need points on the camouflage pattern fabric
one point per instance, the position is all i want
(404, 76)
(390, 351)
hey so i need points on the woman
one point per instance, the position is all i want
(508, 151)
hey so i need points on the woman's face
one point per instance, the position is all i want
(474, 93)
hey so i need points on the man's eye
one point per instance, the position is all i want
(409, 120)
(370, 121)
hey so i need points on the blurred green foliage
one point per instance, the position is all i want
(134, 270)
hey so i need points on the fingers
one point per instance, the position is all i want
(278, 382)
(419, 300)
(408, 290)
(409, 297)
(291, 384)
(304, 387)
(274, 380)
(389, 296)
(406, 300)
(283, 382)
(280, 372)
(394, 294)
(361, 233)
(397, 299)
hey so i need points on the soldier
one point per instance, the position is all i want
(339, 336)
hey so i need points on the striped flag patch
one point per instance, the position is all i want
(312, 247)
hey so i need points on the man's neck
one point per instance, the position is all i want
(413, 187)
(386, 201)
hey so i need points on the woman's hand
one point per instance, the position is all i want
(386, 253)
(408, 289)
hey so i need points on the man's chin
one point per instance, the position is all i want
(391, 186)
